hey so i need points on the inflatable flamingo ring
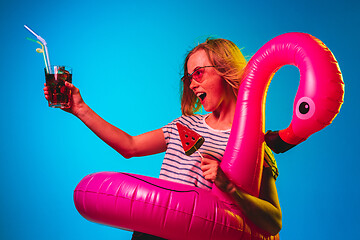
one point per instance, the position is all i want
(176, 211)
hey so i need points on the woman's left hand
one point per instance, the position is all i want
(210, 168)
(212, 172)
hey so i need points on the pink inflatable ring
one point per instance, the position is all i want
(176, 211)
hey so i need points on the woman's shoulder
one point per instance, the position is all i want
(189, 120)
(194, 116)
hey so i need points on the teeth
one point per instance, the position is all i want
(201, 95)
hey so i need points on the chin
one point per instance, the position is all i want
(209, 110)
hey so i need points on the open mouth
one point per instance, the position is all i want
(201, 96)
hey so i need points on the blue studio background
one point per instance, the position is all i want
(127, 60)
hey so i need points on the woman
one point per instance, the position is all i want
(212, 76)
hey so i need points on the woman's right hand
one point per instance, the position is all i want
(77, 104)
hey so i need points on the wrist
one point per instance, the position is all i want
(226, 186)
(231, 188)
(82, 111)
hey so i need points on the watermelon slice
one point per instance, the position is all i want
(190, 140)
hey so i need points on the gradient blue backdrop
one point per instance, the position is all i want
(127, 58)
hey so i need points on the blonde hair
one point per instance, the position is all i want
(229, 63)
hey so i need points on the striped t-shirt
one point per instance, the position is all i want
(185, 169)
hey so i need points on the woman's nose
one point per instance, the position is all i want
(193, 85)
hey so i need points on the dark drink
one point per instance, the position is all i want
(59, 94)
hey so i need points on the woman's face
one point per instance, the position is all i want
(212, 90)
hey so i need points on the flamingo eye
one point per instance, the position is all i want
(305, 108)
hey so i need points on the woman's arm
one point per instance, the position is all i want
(265, 211)
(128, 146)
